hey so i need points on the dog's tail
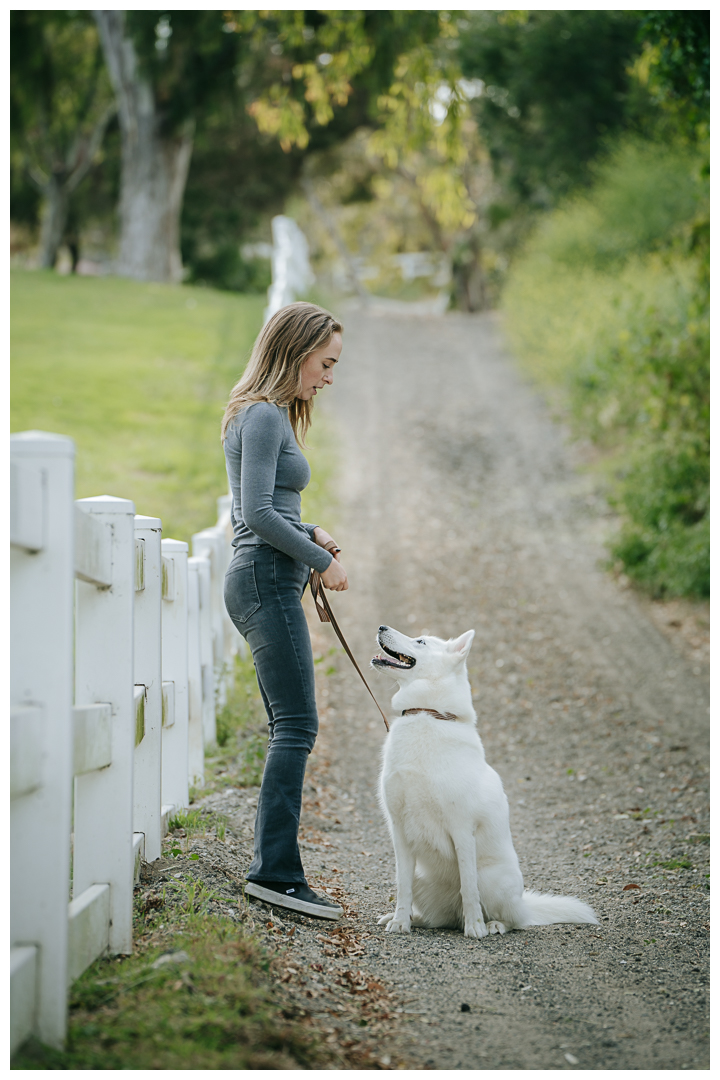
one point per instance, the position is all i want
(542, 909)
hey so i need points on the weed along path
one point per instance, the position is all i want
(460, 506)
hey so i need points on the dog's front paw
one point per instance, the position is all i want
(475, 929)
(496, 928)
(382, 919)
(397, 926)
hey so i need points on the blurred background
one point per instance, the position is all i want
(551, 165)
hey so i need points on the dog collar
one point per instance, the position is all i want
(433, 712)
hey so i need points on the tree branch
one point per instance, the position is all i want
(430, 219)
(39, 178)
(89, 148)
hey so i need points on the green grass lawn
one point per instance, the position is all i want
(138, 375)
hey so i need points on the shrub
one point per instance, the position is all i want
(610, 301)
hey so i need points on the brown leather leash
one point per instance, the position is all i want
(325, 612)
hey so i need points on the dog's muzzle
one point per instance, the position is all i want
(391, 659)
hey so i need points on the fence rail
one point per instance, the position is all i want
(120, 652)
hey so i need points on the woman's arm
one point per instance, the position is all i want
(324, 539)
(262, 439)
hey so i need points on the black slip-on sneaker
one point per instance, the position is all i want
(294, 897)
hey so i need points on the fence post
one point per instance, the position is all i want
(234, 642)
(175, 794)
(208, 544)
(147, 785)
(41, 599)
(206, 652)
(103, 851)
(196, 741)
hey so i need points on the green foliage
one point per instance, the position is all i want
(426, 134)
(681, 60)
(238, 177)
(556, 85)
(189, 820)
(187, 58)
(138, 375)
(643, 198)
(193, 900)
(226, 269)
(327, 67)
(295, 70)
(60, 106)
(58, 88)
(610, 301)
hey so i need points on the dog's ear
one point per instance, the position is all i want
(461, 646)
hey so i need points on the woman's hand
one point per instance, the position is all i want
(335, 578)
(323, 539)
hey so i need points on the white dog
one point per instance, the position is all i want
(445, 807)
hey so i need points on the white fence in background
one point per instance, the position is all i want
(291, 271)
(120, 647)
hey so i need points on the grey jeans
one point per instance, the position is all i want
(263, 590)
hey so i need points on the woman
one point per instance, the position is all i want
(267, 416)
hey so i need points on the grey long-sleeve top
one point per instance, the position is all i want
(267, 472)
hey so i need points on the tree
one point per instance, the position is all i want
(419, 178)
(61, 104)
(170, 70)
(680, 44)
(429, 138)
(163, 73)
(556, 85)
(238, 178)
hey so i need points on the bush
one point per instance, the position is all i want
(227, 270)
(644, 196)
(610, 301)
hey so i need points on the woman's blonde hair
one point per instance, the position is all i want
(273, 370)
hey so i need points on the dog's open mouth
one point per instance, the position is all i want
(400, 660)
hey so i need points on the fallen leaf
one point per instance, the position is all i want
(631, 886)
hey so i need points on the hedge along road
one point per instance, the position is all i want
(461, 506)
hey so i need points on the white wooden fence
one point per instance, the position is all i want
(120, 648)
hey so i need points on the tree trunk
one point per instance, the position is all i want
(56, 187)
(154, 165)
(468, 275)
(54, 216)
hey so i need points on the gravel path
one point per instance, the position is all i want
(461, 506)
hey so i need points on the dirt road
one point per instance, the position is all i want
(461, 506)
